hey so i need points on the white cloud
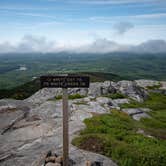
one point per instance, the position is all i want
(105, 46)
(6, 47)
(151, 46)
(123, 27)
(31, 43)
(100, 46)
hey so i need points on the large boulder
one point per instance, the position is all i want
(108, 87)
(102, 88)
(130, 89)
(95, 89)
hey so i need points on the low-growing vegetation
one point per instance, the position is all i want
(58, 97)
(154, 87)
(72, 97)
(115, 96)
(76, 96)
(115, 135)
(81, 103)
(156, 125)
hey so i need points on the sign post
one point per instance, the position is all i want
(64, 82)
(65, 129)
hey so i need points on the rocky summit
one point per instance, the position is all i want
(32, 128)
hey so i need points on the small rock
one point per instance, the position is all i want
(163, 85)
(59, 159)
(146, 109)
(121, 101)
(87, 163)
(51, 159)
(140, 131)
(53, 164)
(103, 100)
(139, 116)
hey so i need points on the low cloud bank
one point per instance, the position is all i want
(41, 44)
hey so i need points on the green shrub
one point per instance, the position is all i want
(155, 125)
(76, 96)
(115, 96)
(72, 97)
(58, 97)
(154, 87)
(114, 135)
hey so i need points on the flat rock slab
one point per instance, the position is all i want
(7, 116)
(121, 101)
(103, 100)
(137, 113)
(32, 137)
(132, 111)
(11, 112)
(139, 116)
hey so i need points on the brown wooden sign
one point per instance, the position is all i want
(64, 81)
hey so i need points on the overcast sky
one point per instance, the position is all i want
(50, 25)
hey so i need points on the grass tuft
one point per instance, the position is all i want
(115, 96)
(72, 97)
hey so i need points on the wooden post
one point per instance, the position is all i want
(64, 81)
(65, 129)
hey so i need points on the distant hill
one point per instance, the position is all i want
(17, 69)
(23, 91)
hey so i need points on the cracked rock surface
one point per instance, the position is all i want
(28, 139)
(32, 127)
